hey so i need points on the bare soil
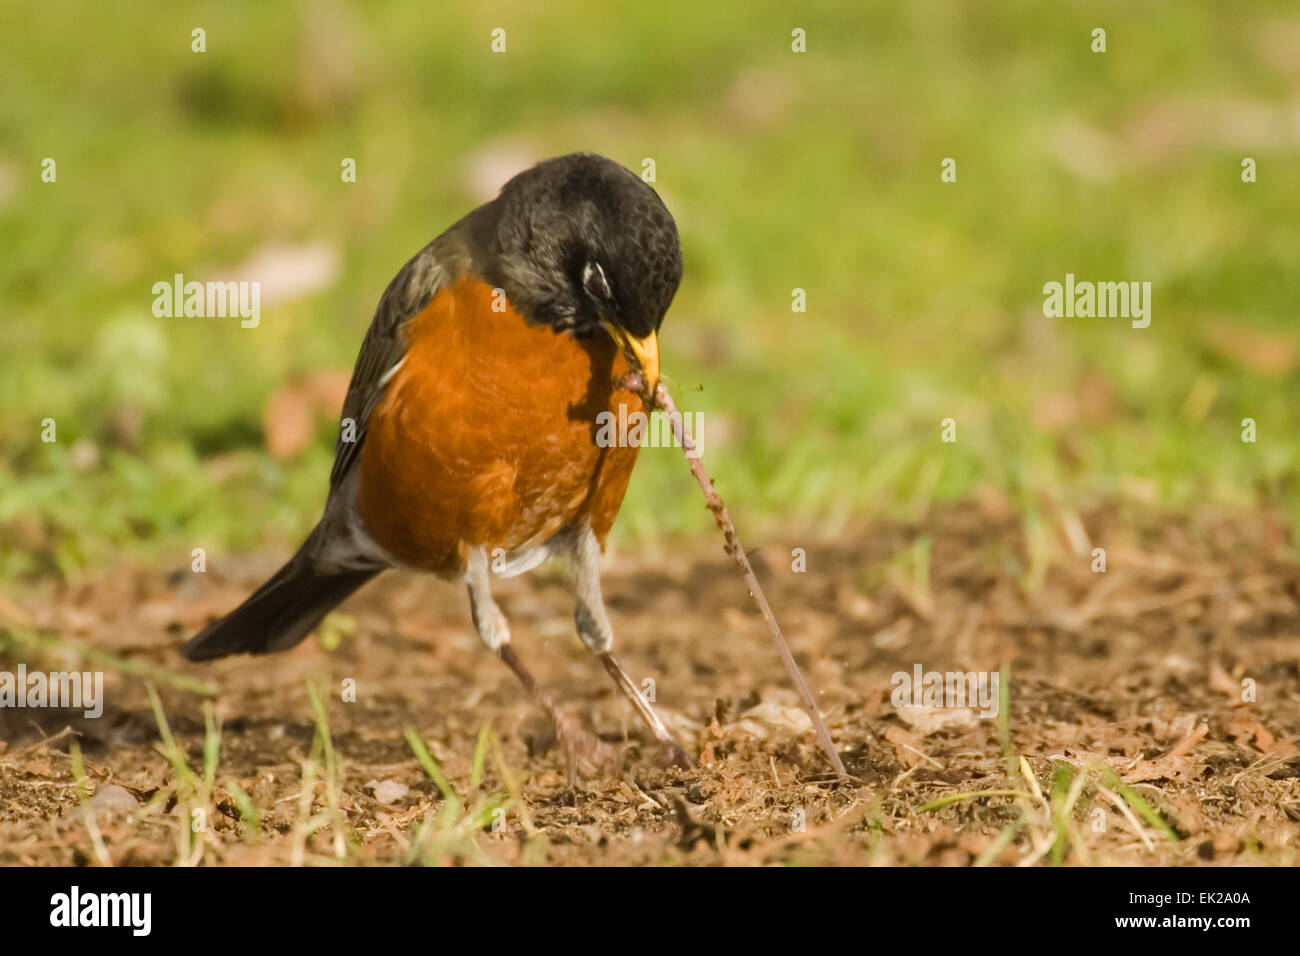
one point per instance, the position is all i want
(1130, 682)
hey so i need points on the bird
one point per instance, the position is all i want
(468, 443)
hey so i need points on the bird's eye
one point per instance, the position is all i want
(596, 283)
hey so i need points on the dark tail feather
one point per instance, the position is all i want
(279, 614)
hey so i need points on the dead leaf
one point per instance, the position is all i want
(1222, 681)
(287, 421)
(286, 272)
(388, 791)
(926, 720)
(770, 719)
(907, 747)
(328, 390)
(1170, 766)
(1267, 353)
(1243, 725)
(291, 414)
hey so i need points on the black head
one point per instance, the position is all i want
(582, 244)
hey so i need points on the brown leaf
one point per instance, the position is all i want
(906, 746)
(1244, 726)
(292, 412)
(1268, 353)
(773, 719)
(1170, 766)
(287, 421)
(1222, 681)
(328, 389)
(928, 720)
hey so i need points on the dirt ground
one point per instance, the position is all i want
(1127, 738)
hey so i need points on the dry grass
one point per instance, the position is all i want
(1123, 738)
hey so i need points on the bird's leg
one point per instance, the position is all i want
(595, 630)
(490, 622)
(578, 742)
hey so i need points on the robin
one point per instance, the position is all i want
(469, 439)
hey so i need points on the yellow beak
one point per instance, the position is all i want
(644, 351)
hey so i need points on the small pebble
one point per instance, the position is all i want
(388, 791)
(110, 797)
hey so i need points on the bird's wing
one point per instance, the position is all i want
(432, 268)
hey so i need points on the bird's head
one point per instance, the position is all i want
(587, 247)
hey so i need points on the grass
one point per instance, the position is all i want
(1051, 819)
(817, 171)
(193, 794)
(83, 800)
(1102, 686)
(323, 748)
(452, 836)
(188, 801)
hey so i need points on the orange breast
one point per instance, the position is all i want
(486, 435)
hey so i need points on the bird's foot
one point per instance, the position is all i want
(672, 754)
(581, 747)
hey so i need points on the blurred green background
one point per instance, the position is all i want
(818, 170)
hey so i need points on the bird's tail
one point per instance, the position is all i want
(280, 613)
